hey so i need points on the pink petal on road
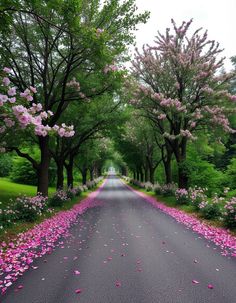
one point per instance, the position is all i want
(195, 282)
(118, 284)
(210, 286)
(78, 291)
(76, 272)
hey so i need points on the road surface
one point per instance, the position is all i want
(128, 252)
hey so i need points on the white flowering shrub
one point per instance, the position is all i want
(59, 198)
(182, 196)
(229, 213)
(29, 208)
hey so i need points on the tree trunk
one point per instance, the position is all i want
(43, 169)
(141, 175)
(168, 173)
(182, 172)
(91, 172)
(99, 171)
(69, 172)
(84, 175)
(134, 175)
(137, 174)
(60, 174)
(152, 171)
(146, 174)
(167, 163)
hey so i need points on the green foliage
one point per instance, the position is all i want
(210, 211)
(203, 174)
(230, 174)
(23, 172)
(5, 165)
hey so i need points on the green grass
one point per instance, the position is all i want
(10, 233)
(10, 190)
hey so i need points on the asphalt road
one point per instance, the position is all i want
(128, 252)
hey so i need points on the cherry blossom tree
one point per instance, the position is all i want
(182, 89)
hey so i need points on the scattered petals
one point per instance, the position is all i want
(210, 286)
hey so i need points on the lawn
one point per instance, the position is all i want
(10, 190)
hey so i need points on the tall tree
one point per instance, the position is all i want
(180, 88)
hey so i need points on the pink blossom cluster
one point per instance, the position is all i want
(25, 113)
(180, 73)
(61, 194)
(110, 68)
(173, 103)
(186, 133)
(99, 31)
(161, 117)
(181, 192)
(17, 256)
(74, 84)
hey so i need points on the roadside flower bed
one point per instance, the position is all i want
(17, 256)
(216, 207)
(220, 236)
(28, 209)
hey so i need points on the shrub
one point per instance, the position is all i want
(168, 189)
(85, 188)
(209, 210)
(157, 189)
(197, 195)
(29, 208)
(90, 184)
(71, 193)
(148, 186)
(23, 172)
(7, 217)
(182, 196)
(58, 199)
(229, 213)
(230, 174)
(5, 165)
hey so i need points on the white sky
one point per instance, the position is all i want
(217, 16)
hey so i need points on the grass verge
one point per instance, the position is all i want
(10, 190)
(12, 231)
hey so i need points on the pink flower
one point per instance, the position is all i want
(33, 89)
(12, 91)
(6, 81)
(7, 70)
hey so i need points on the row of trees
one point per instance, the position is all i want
(180, 94)
(71, 52)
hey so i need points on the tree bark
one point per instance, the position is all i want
(69, 171)
(166, 159)
(151, 171)
(43, 169)
(182, 173)
(146, 174)
(91, 172)
(141, 175)
(60, 174)
(84, 175)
